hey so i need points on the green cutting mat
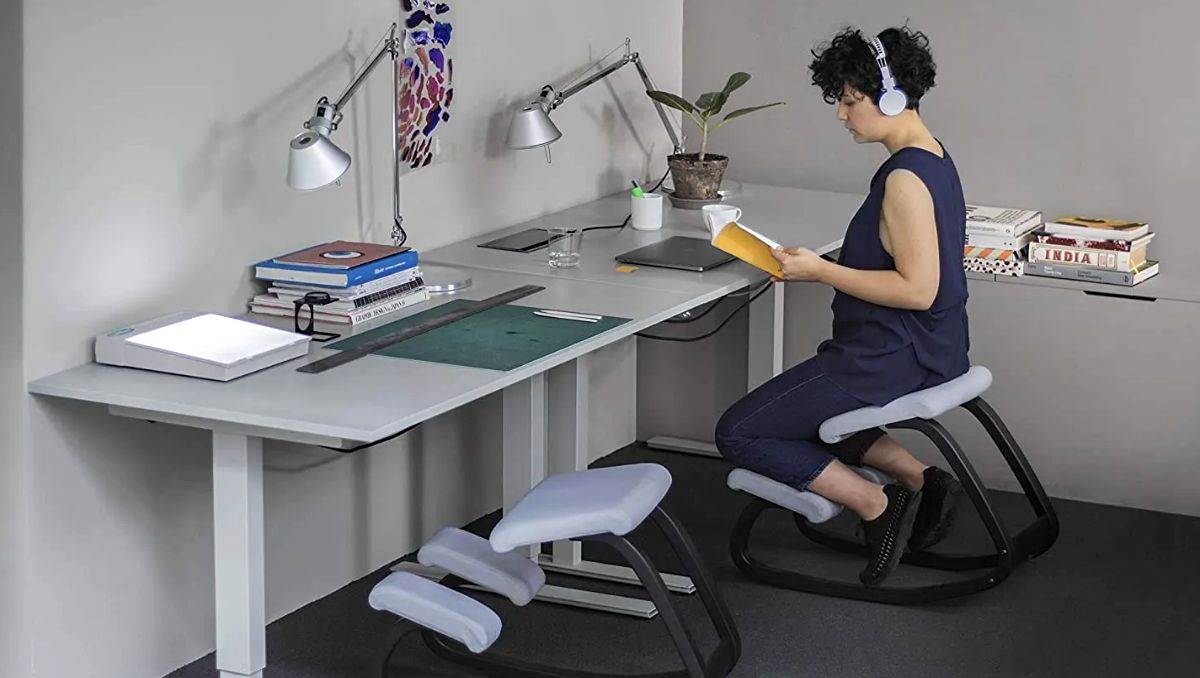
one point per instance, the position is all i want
(501, 338)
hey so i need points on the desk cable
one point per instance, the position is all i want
(719, 327)
(630, 215)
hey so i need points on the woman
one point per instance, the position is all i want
(899, 313)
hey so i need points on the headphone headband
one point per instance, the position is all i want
(892, 100)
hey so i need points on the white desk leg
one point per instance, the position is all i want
(238, 550)
(764, 359)
(569, 434)
(525, 466)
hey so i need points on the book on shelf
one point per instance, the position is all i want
(747, 245)
(1113, 260)
(353, 317)
(983, 253)
(1010, 266)
(1097, 229)
(1096, 275)
(999, 242)
(1005, 221)
(324, 276)
(1116, 245)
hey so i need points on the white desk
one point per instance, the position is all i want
(361, 402)
(349, 405)
(792, 216)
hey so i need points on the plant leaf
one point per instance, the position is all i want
(735, 81)
(673, 100)
(746, 111)
(708, 101)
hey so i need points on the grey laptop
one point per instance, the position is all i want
(689, 254)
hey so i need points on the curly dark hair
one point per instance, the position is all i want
(847, 60)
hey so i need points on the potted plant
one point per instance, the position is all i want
(697, 176)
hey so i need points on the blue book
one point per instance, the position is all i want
(324, 276)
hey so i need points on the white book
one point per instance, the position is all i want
(998, 242)
(1008, 221)
(344, 317)
(354, 290)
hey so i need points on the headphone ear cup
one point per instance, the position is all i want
(892, 102)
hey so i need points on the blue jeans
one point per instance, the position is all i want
(773, 430)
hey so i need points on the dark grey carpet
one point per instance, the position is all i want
(1116, 596)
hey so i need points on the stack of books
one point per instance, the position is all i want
(366, 280)
(997, 238)
(1111, 251)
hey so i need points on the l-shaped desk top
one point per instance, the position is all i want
(375, 396)
(791, 216)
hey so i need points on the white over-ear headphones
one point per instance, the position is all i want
(892, 99)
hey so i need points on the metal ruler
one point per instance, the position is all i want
(367, 348)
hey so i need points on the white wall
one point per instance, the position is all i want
(156, 137)
(1101, 392)
(1030, 119)
(12, 382)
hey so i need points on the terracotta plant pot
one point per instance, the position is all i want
(697, 179)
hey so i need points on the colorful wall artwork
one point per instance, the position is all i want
(426, 87)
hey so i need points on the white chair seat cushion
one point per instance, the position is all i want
(925, 404)
(471, 557)
(437, 608)
(583, 503)
(814, 507)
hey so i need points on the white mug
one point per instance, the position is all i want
(646, 212)
(716, 216)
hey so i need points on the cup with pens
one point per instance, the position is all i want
(646, 209)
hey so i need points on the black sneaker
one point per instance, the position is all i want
(938, 510)
(887, 534)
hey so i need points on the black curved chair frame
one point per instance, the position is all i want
(716, 664)
(1010, 551)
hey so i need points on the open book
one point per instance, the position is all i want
(743, 243)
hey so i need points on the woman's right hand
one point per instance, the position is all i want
(798, 264)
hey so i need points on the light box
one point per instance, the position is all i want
(205, 345)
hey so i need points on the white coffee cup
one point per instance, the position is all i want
(716, 216)
(647, 212)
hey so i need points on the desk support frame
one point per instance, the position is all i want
(569, 435)
(764, 360)
(238, 554)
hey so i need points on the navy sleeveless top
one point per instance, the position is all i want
(878, 353)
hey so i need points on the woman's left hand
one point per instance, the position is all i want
(798, 264)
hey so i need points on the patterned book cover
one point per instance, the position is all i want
(1010, 266)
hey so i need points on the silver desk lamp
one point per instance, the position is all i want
(314, 161)
(531, 125)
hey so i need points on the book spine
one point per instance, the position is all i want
(989, 253)
(993, 266)
(1079, 256)
(269, 270)
(1068, 241)
(997, 242)
(372, 312)
(1095, 275)
(1000, 229)
(348, 302)
(352, 292)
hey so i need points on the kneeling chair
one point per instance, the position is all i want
(917, 411)
(597, 504)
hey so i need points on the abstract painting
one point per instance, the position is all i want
(426, 86)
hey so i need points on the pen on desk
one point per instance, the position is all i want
(565, 315)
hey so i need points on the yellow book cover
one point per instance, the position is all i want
(743, 243)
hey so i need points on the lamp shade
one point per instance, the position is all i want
(315, 161)
(531, 127)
